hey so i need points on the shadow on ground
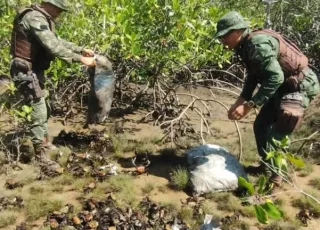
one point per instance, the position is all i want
(161, 164)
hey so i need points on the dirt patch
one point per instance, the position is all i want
(130, 135)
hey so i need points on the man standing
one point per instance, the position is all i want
(34, 45)
(287, 84)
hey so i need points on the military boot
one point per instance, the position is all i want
(275, 182)
(255, 170)
(47, 166)
(47, 144)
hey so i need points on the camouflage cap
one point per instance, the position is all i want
(62, 4)
(230, 21)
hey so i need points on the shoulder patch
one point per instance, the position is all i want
(44, 27)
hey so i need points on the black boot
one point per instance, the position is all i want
(255, 170)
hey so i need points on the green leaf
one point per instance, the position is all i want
(270, 155)
(21, 114)
(297, 161)
(27, 109)
(284, 164)
(278, 161)
(272, 210)
(276, 142)
(261, 183)
(244, 183)
(261, 214)
(175, 4)
(285, 142)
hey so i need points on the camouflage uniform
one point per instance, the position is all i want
(263, 50)
(260, 55)
(38, 31)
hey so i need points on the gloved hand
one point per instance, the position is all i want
(88, 61)
(87, 53)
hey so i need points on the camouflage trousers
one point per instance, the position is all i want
(266, 127)
(39, 120)
(38, 125)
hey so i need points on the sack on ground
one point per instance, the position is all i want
(213, 169)
(102, 82)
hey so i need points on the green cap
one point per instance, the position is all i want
(62, 4)
(230, 21)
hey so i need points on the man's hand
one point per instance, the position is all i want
(88, 61)
(87, 53)
(236, 113)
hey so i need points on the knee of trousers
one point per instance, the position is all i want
(257, 127)
(39, 113)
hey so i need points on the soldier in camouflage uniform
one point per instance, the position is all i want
(287, 84)
(34, 45)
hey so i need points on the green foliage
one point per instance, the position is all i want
(263, 210)
(146, 37)
(150, 36)
(245, 184)
(24, 115)
(272, 211)
(261, 183)
(280, 157)
(261, 214)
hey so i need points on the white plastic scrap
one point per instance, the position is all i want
(213, 169)
(112, 168)
(175, 225)
(207, 224)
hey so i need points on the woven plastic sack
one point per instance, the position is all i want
(102, 82)
(213, 169)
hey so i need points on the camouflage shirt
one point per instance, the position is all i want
(262, 52)
(36, 23)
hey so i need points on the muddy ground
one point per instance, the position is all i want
(130, 135)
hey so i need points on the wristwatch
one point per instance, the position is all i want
(251, 104)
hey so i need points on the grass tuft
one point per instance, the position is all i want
(315, 183)
(36, 190)
(185, 214)
(307, 203)
(148, 188)
(39, 207)
(305, 171)
(7, 218)
(179, 178)
(64, 179)
(227, 202)
(124, 189)
(281, 225)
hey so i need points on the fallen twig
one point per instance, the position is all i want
(236, 124)
(305, 141)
